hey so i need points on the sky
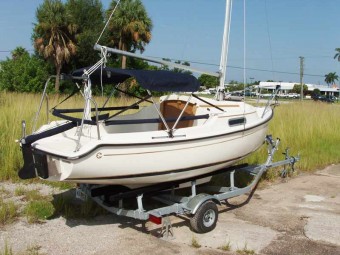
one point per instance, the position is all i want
(277, 33)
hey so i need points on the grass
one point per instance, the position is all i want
(309, 128)
(194, 243)
(40, 207)
(66, 206)
(16, 107)
(8, 212)
(7, 250)
(33, 250)
(245, 251)
(37, 211)
(37, 208)
(226, 247)
(30, 250)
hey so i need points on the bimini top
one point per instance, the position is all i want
(155, 80)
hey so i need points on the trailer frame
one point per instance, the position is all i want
(201, 207)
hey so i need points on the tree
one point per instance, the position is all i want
(316, 92)
(19, 52)
(179, 70)
(234, 86)
(208, 81)
(130, 30)
(330, 78)
(88, 16)
(337, 55)
(23, 73)
(54, 35)
(176, 69)
(297, 89)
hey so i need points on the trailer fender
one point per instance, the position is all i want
(196, 201)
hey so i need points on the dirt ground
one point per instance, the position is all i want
(300, 215)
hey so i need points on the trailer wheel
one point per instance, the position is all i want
(205, 218)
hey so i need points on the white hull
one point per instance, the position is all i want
(147, 165)
(135, 159)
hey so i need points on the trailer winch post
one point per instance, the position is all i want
(232, 180)
(140, 203)
(193, 188)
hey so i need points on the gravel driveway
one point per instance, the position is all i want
(298, 216)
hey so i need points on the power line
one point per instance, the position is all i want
(211, 64)
(282, 72)
(9, 51)
(242, 68)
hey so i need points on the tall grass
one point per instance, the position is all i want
(311, 128)
(15, 107)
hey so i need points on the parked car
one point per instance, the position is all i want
(322, 98)
(293, 95)
(208, 91)
(205, 92)
(265, 95)
(282, 95)
(234, 96)
(249, 94)
(332, 98)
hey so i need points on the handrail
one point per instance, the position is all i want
(99, 109)
(154, 120)
(41, 102)
(97, 120)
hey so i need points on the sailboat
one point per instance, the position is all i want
(179, 137)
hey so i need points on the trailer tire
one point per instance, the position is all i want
(205, 218)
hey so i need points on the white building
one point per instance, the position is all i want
(286, 87)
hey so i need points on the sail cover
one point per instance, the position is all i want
(155, 80)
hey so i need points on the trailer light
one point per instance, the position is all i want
(155, 219)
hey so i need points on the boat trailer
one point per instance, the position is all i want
(200, 207)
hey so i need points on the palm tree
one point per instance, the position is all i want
(54, 35)
(337, 55)
(19, 52)
(130, 27)
(88, 15)
(330, 78)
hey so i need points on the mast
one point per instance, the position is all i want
(224, 52)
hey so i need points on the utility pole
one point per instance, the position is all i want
(301, 76)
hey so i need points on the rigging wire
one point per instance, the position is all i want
(104, 51)
(244, 46)
(244, 42)
(107, 22)
(269, 39)
(244, 63)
